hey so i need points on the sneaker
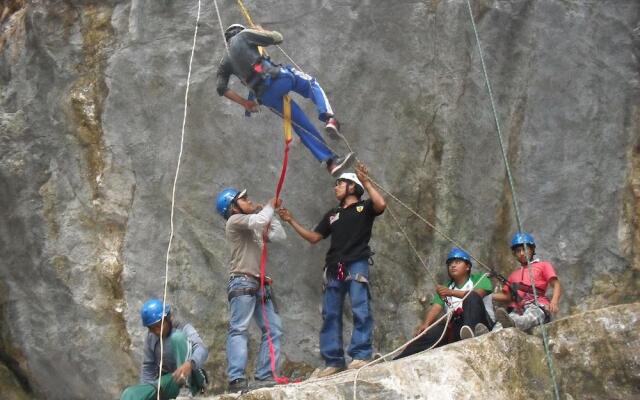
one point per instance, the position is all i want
(238, 385)
(466, 332)
(337, 165)
(199, 381)
(503, 317)
(329, 371)
(480, 329)
(357, 364)
(333, 128)
(262, 383)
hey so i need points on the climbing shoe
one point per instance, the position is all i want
(503, 317)
(238, 385)
(480, 329)
(329, 371)
(333, 128)
(357, 364)
(337, 165)
(466, 332)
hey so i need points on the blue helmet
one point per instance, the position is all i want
(151, 312)
(458, 254)
(521, 238)
(226, 198)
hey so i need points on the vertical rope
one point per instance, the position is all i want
(545, 339)
(173, 199)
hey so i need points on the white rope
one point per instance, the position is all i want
(448, 315)
(173, 198)
(413, 247)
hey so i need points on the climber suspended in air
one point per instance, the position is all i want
(269, 83)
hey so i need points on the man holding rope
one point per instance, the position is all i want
(469, 316)
(270, 82)
(346, 268)
(246, 223)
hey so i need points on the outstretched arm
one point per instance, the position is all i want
(308, 235)
(379, 203)
(432, 315)
(248, 105)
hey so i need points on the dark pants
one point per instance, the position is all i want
(473, 313)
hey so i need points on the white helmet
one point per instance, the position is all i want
(350, 176)
(233, 30)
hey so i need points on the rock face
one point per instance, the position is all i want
(91, 106)
(595, 355)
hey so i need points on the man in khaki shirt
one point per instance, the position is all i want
(246, 224)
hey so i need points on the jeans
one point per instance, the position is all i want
(356, 284)
(289, 79)
(241, 310)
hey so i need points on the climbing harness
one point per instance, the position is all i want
(173, 195)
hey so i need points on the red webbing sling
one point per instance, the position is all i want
(263, 257)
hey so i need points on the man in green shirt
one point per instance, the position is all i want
(469, 316)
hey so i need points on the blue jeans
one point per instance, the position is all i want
(333, 299)
(289, 80)
(241, 310)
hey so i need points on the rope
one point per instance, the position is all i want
(448, 315)
(396, 199)
(545, 338)
(413, 247)
(173, 197)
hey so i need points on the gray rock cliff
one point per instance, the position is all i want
(91, 106)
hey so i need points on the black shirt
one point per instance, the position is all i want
(350, 230)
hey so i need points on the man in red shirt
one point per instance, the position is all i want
(524, 313)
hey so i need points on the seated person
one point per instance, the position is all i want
(469, 316)
(184, 356)
(523, 312)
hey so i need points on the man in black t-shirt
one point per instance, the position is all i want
(346, 267)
